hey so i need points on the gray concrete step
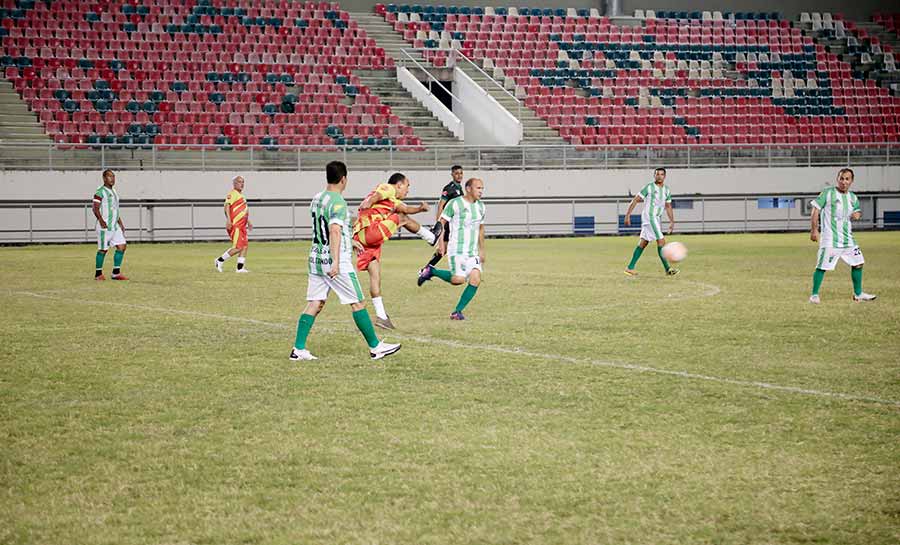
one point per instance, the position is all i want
(17, 122)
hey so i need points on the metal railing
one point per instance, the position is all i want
(420, 66)
(200, 219)
(495, 82)
(59, 156)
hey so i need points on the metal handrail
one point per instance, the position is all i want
(432, 78)
(502, 88)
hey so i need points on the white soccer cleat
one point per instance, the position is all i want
(242, 271)
(383, 350)
(301, 355)
(218, 265)
(814, 299)
(863, 297)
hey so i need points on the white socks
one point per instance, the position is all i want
(379, 308)
(225, 256)
(426, 235)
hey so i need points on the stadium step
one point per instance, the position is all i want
(17, 122)
(403, 105)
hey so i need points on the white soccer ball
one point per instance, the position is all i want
(674, 251)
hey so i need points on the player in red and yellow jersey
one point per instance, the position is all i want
(237, 223)
(381, 214)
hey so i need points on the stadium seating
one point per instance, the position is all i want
(189, 73)
(677, 78)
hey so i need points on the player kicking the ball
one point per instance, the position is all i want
(464, 217)
(833, 210)
(655, 197)
(381, 214)
(330, 267)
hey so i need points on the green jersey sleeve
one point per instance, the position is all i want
(821, 200)
(337, 213)
(450, 209)
(854, 201)
(644, 192)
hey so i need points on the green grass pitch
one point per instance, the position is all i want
(575, 405)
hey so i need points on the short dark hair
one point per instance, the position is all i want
(657, 169)
(850, 170)
(396, 178)
(334, 171)
(456, 167)
(105, 172)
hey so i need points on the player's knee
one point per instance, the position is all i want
(857, 267)
(475, 281)
(457, 280)
(355, 307)
(314, 307)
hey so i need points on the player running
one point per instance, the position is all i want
(656, 197)
(464, 217)
(451, 191)
(237, 223)
(833, 210)
(381, 214)
(330, 267)
(110, 229)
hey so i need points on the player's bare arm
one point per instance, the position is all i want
(99, 217)
(404, 208)
(227, 217)
(122, 225)
(671, 213)
(481, 243)
(442, 244)
(814, 225)
(334, 244)
(440, 209)
(634, 202)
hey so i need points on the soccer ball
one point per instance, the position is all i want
(674, 251)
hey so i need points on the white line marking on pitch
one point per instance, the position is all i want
(501, 350)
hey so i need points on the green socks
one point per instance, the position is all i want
(304, 324)
(661, 258)
(819, 275)
(466, 296)
(117, 261)
(442, 274)
(364, 323)
(856, 275)
(634, 257)
(98, 263)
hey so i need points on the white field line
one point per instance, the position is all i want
(498, 349)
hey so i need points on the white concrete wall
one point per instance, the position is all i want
(487, 122)
(65, 185)
(431, 103)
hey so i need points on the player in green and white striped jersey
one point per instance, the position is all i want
(656, 198)
(110, 229)
(463, 218)
(331, 267)
(833, 211)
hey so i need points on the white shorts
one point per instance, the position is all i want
(827, 258)
(652, 231)
(463, 265)
(346, 285)
(107, 238)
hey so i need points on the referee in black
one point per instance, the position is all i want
(451, 191)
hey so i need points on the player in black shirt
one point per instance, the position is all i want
(451, 191)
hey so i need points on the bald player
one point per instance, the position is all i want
(237, 223)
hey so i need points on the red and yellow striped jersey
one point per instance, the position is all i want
(237, 207)
(385, 206)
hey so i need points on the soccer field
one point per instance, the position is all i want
(574, 405)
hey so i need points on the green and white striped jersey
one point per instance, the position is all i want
(655, 199)
(836, 208)
(327, 208)
(465, 220)
(108, 200)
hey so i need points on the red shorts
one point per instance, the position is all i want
(372, 238)
(238, 236)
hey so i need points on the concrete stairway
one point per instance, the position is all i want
(17, 122)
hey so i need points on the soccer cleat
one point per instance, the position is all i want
(119, 277)
(437, 231)
(457, 315)
(219, 265)
(384, 323)
(863, 297)
(100, 277)
(630, 272)
(242, 271)
(425, 274)
(814, 299)
(672, 272)
(301, 355)
(383, 350)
